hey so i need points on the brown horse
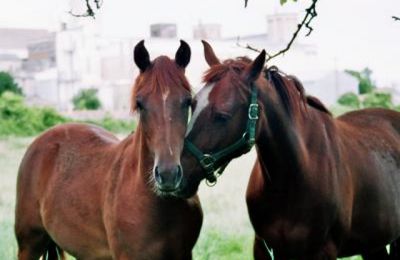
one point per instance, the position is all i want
(82, 191)
(322, 187)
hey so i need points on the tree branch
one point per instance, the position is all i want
(89, 9)
(396, 18)
(311, 13)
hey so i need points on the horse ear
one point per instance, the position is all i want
(182, 55)
(255, 68)
(141, 56)
(209, 54)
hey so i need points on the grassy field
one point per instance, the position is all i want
(226, 233)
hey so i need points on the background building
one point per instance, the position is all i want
(53, 66)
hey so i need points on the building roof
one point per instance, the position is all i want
(8, 57)
(12, 38)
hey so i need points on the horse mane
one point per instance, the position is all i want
(292, 92)
(232, 69)
(288, 87)
(162, 75)
(216, 72)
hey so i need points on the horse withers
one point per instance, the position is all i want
(83, 191)
(322, 187)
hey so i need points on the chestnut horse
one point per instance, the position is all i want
(322, 187)
(83, 191)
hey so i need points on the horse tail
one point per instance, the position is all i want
(53, 252)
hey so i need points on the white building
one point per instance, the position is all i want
(77, 56)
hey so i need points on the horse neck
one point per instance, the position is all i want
(138, 160)
(286, 141)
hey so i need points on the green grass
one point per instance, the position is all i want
(11, 151)
(226, 233)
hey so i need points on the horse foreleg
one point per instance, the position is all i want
(326, 252)
(380, 254)
(32, 245)
(395, 250)
(260, 250)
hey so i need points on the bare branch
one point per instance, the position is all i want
(311, 13)
(247, 46)
(245, 3)
(89, 9)
(396, 18)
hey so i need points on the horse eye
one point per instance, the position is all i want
(187, 102)
(139, 104)
(222, 117)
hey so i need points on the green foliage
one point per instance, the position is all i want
(216, 244)
(7, 83)
(18, 119)
(284, 1)
(368, 95)
(365, 83)
(349, 99)
(378, 99)
(114, 125)
(86, 99)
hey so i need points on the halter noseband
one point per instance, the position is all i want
(211, 162)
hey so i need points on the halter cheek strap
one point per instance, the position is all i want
(212, 162)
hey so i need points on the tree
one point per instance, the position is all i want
(7, 83)
(86, 99)
(368, 95)
(365, 83)
(350, 100)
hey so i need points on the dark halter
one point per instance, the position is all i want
(211, 162)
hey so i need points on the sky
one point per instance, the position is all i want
(349, 33)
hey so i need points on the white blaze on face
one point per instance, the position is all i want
(202, 102)
(167, 119)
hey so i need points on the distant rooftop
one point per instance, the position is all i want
(12, 38)
(8, 57)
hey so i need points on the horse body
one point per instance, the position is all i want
(321, 187)
(344, 197)
(83, 191)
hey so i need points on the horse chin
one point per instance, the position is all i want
(185, 194)
(164, 193)
(175, 194)
(187, 191)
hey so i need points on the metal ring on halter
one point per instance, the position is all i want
(210, 183)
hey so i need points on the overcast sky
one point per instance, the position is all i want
(354, 33)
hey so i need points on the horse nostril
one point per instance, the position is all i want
(178, 175)
(157, 175)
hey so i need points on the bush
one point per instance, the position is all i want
(114, 125)
(378, 99)
(7, 83)
(18, 119)
(349, 100)
(365, 83)
(86, 99)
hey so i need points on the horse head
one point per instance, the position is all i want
(162, 98)
(223, 124)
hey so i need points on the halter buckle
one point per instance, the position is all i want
(253, 112)
(207, 162)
